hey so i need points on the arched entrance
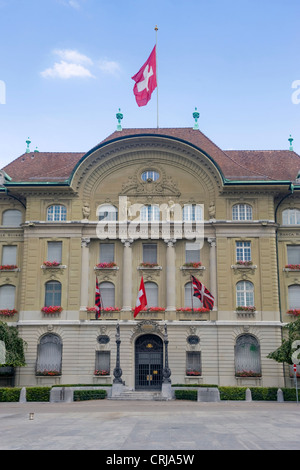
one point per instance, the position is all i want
(148, 362)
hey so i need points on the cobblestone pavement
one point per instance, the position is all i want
(145, 425)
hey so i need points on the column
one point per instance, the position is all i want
(213, 269)
(84, 293)
(127, 275)
(171, 276)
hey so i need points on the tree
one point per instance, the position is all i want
(14, 345)
(285, 351)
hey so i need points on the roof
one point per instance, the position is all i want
(241, 165)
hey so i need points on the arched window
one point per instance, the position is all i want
(294, 297)
(247, 356)
(7, 297)
(189, 300)
(52, 294)
(107, 212)
(107, 291)
(56, 213)
(291, 217)
(152, 294)
(244, 294)
(241, 212)
(12, 218)
(49, 355)
(150, 214)
(192, 213)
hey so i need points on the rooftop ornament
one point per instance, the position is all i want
(291, 143)
(196, 117)
(119, 116)
(28, 142)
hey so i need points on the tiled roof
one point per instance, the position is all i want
(264, 165)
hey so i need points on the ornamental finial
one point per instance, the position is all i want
(291, 143)
(196, 117)
(119, 116)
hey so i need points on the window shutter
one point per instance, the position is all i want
(107, 252)
(12, 218)
(107, 291)
(7, 297)
(54, 251)
(9, 255)
(293, 252)
(150, 253)
(152, 294)
(294, 297)
(192, 252)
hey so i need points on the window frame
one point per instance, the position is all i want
(243, 295)
(56, 213)
(288, 214)
(19, 218)
(242, 212)
(243, 251)
(11, 304)
(52, 294)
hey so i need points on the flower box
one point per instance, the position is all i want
(107, 309)
(194, 265)
(247, 373)
(51, 264)
(244, 263)
(197, 310)
(193, 373)
(47, 373)
(8, 267)
(106, 265)
(295, 312)
(101, 372)
(8, 313)
(154, 309)
(148, 265)
(249, 309)
(51, 309)
(293, 266)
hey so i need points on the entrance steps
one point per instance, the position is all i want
(139, 395)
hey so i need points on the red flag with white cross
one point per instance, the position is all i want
(145, 80)
(141, 300)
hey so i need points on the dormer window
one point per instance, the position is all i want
(56, 213)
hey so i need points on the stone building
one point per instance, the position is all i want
(130, 208)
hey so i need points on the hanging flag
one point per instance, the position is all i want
(141, 300)
(98, 300)
(145, 80)
(203, 294)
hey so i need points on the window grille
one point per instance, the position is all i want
(247, 355)
(193, 363)
(49, 357)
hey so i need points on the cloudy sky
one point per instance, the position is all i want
(66, 68)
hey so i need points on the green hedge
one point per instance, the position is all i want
(38, 393)
(89, 395)
(9, 394)
(186, 395)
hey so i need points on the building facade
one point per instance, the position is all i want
(162, 205)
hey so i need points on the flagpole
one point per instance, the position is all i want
(156, 29)
(192, 293)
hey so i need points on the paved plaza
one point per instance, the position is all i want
(152, 426)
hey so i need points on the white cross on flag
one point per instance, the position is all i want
(145, 80)
(141, 300)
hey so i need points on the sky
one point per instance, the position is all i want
(66, 68)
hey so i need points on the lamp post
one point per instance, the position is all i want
(166, 370)
(117, 369)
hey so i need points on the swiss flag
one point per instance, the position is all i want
(141, 300)
(145, 80)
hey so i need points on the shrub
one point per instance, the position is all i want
(232, 393)
(186, 395)
(38, 393)
(9, 394)
(264, 393)
(89, 395)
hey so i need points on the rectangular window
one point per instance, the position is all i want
(243, 251)
(293, 254)
(149, 253)
(193, 363)
(107, 252)
(53, 294)
(9, 255)
(54, 251)
(102, 363)
(192, 252)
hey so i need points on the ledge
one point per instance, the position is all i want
(191, 268)
(60, 266)
(113, 268)
(245, 313)
(243, 266)
(152, 268)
